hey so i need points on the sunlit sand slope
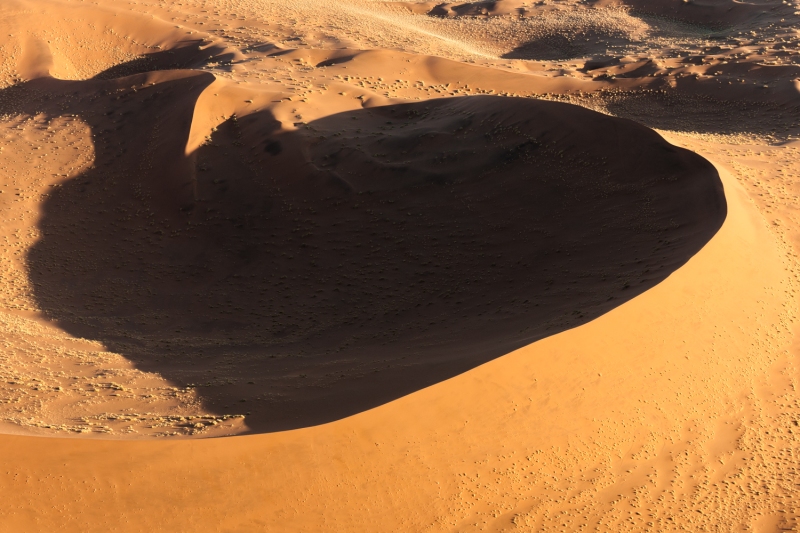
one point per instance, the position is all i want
(648, 411)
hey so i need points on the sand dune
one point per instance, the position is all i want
(384, 237)
(714, 14)
(559, 432)
(269, 254)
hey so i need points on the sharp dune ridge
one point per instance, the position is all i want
(425, 266)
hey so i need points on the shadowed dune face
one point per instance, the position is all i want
(714, 14)
(340, 264)
(186, 54)
(564, 45)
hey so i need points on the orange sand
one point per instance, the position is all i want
(141, 308)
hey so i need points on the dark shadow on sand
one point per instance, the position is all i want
(307, 275)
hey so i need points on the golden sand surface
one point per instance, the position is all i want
(295, 265)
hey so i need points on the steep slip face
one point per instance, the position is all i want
(337, 265)
(71, 41)
(710, 13)
(641, 420)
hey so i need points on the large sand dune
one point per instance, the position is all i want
(384, 237)
(712, 14)
(342, 263)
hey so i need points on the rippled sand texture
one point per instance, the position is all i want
(490, 266)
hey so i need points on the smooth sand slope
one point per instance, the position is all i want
(475, 310)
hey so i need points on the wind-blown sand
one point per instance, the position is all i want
(381, 243)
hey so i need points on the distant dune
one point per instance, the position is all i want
(716, 14)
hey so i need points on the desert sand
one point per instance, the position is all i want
(295, 265)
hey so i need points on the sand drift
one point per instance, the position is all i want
(339, 264)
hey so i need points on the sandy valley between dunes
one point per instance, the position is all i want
(295, 265)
